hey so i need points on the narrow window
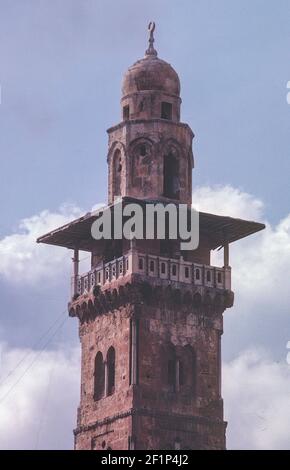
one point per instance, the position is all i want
(163, 268)
(99, 377)
(152, 266)
(142, 150)
(126, 113)
(140, 263)
(208, 276)
(197, 274)
(121, 267)
(172, 373)
(219, 278)
(171, 186)
(186, 271)
(174, 270)
(181, 374)
(111, 370)
(117, 170)
(166, 110)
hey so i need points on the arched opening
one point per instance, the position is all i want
(111, 371)
(117, 170)
(171, 184)
(99, 377)
(181, 369)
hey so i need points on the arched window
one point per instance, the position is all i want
(117, 169)
(171, 184)
(181, 369)
(111, 371)
(99, 376)
(174, 270)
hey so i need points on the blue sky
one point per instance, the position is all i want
(61, 67)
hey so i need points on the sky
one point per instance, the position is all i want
(61, 68)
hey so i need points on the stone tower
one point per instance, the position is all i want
(150, 315)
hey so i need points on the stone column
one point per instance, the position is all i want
(75, 260)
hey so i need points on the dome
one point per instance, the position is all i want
(151, 73)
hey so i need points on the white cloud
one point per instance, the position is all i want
(260, 262)
(23, 260)
(40, 412)
(262, 267)
(226, 200)
(257, 402)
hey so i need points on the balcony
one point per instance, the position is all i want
(154, 267)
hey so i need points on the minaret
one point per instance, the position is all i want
(150, 314)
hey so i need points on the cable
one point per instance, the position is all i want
(46, 398)
(31, 364)
(33, 347)
(44, 407)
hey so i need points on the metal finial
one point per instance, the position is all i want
(151, 50)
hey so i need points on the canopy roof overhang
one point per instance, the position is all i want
(218, 229)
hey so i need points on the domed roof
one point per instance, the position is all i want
(151, 73)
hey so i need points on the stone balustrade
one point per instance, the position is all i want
(151, 266)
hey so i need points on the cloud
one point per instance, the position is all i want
(257, 402)
(23, 260)
(260, 273)
(226, 200)
(40, 411)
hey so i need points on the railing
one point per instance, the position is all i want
(156, 267)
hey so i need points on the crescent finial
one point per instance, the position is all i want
(151, 51)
